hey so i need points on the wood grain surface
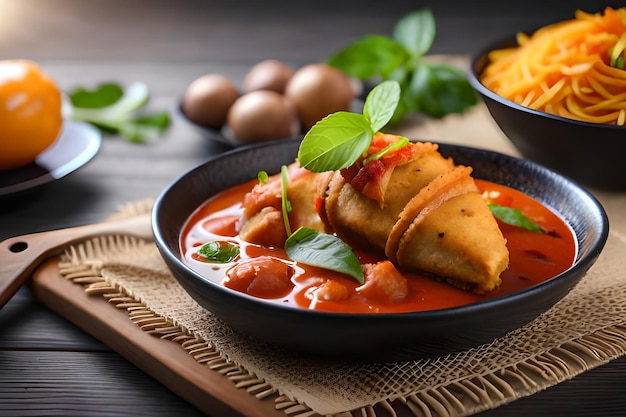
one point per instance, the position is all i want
(51, 367)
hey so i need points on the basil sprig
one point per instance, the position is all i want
(340, 139)
(435, 89)
(334, 143)
(114, 109)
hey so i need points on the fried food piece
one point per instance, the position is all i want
(431, 218)
(262, 221)
(302, 193)
(451, 233)
(265, 228)
(352, 214)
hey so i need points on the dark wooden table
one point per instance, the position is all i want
(49, 367)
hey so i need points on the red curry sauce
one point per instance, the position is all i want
(534, 257)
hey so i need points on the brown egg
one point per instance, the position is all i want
(268, 75)
(318, 90)
(207, 100)
(263, 115)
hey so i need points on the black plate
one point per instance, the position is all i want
(77, 144)
(377, 337)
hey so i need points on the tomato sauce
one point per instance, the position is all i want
(533, 257)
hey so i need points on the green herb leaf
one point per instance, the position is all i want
(340, 139)
(310, 247)
(111, 108)
(514, 217)
(416, 31)
(438, 90)
(219, 252)
(401, 142)
(143, 128)
(263, 177)
(435, 90)
(370, 56)
(335, 142)
(133, 98)
(286, 204)
(381, 103)
(159, 121)
(104, 95)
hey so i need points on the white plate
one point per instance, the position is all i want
(77, 144)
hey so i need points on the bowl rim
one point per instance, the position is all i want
(479, 59)
(580, 265)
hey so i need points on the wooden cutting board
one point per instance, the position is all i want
(167, 362)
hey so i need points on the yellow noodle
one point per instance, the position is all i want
(548, 95)
(560, 110)
(564, 68)
(526, 100)
(583, 93)
(610, 71)
(578, 112)
(615, 102)
(612, 81)
(599, 88)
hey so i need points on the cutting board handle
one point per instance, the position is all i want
(21, 255)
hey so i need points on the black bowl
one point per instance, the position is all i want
(591, 153)
(377, 337)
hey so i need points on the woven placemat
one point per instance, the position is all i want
(584, 330)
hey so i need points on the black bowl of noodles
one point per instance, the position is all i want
(587, 151)
(377, 337)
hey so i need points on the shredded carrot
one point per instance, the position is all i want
(574, 68)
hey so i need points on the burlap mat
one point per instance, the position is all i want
(586, 329)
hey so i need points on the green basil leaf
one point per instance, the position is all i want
(440, 89)
(263, 177)
(419, 85)
(104, 95)
(370, 56)
(160, 121)
(514, 217)
(135, 132)
(401, 111)
(135, 96)
(219, 252)
(335, 142)
(110, 108)
(310, 247)
(139, 129)
(416, 31)
(381, 104)
(285, 203)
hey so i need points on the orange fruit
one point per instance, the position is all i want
(30, 112)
